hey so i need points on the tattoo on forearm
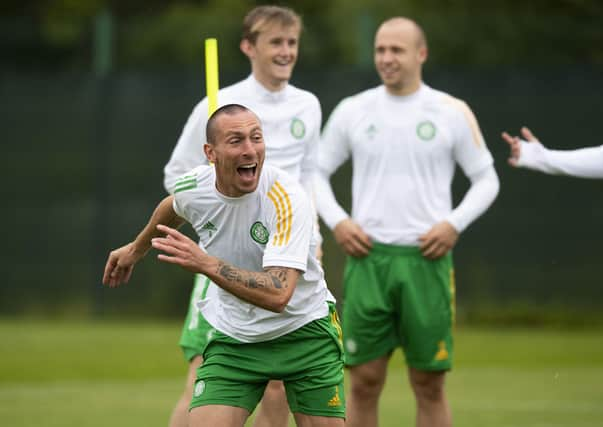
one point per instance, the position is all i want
(272, 277)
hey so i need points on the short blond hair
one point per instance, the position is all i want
(257, 19)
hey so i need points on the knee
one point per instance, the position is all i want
(428, 387)
(366, 385)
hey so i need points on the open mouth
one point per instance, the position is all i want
(247, 171)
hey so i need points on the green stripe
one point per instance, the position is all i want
(182, 188)
(183, 182)
(205, 286)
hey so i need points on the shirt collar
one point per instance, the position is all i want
(264, 94)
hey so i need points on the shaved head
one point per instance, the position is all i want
(400, 23)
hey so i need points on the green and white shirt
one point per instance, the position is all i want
(404, 153)
(270, 227)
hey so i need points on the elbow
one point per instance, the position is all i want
(280, 302)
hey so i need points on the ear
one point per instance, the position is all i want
(209, 152)
(247, 48)
(423, 54)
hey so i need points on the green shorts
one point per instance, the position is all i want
(195, 330)
(395, 297)
(308, 360)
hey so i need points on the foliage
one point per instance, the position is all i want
(60, 33)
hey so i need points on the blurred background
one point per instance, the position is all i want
(94, 94)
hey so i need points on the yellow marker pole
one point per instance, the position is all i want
(211, 74)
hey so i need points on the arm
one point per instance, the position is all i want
(531, 154)
(308, 164)
(271, 289)
(120, 263)
(443, 236)
(347, 233)
(188, 152)
(333, 152)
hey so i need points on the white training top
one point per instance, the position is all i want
(404, 152)
(583, 162)
(270, 227)
(291, 120)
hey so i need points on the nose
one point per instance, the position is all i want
(247, 147)
(285, 49)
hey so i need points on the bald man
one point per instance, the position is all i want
(405, 140)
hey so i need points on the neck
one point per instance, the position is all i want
(270, 84)
(404, 90)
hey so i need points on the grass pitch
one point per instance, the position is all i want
(69, 373)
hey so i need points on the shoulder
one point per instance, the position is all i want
(199, 178)
(228, 94)
(279, 185)
(359, 102)
(300, 95)
(437, 99)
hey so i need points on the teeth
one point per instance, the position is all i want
(247, 166)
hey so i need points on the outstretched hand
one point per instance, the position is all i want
(438, 241)
(515, 144)
(354, 241)
(120, 265)
(180, 249)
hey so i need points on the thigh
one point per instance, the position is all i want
(314, 376)
(368, 328)
(218, 415)
(195, 329)
(229, 375)
(427, 314)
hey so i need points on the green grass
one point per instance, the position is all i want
(61, 373)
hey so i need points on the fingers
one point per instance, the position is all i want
(170, 246)
(515, 146)
(508, 138)
(108, 269)
(114, 273)
(527, 134)
(356, 247)
(171, 232)
(434, 249)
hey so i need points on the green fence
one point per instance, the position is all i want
(83, 159)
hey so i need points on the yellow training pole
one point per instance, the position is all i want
(211, 74)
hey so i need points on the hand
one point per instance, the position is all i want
(515, 144)
(438, 241)
(354, 241)
(181, 250)
(120, 265)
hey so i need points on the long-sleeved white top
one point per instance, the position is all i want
(583, 162)
(404, 152)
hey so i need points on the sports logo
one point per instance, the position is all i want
(371, 131)
(259, 233)
(426, 130)
(351, 346)
(442, 353)
(210, 227)
(199, 388)
(335, 400)
(298, 128)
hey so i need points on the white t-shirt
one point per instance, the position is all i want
(291, 120)
(404, 152)
(270, 227)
